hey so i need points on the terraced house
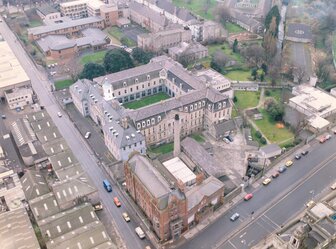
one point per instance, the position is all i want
(197, 103)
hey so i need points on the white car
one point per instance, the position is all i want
(234, 217)
(59, 114)
(87, 135)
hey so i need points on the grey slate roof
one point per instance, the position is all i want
(270, 149)
(47, 9)
(16, 230)
(69, 24)
(208, 187)
(149, 13)
(181, 13)
(225, 126)
(62, 160)
(34, 185)
(202, 158)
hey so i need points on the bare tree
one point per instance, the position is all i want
(72, 67)
(222, 14)
(254, 54)
(298, 74)
(220, 58)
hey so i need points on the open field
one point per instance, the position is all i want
(97, 57)
(199, 7)
(146, 101)
(61, 84)
(246, 99)
(273, 134)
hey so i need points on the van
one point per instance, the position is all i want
(107, 185)
(140, 233)
(87, 135)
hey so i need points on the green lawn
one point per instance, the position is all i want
(146, 101)
(116, 33)
(233, 28)
(198, 7)
(273, 134)
(35, 23)
(198, 137)
(274, 93)
(97, 57)
(239, 74)
(246, 99)
(163, 149)
(225, 48)
(61, 84)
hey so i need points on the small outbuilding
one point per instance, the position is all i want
(270, 150)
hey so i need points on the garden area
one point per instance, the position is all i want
(146, 101)
(116, 33)
(96, 57)
(203, 8)
(61, 84)
(246, 99)
(162, 149)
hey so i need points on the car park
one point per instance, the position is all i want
(267, 181)
(305, 152)
(298, 157)
(289, 163)
(116, 202)
(282, 169)
(248, 197)
(275, 174)
(59, 114)
(126, 217)
(234, 217)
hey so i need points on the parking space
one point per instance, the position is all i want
(133, 31)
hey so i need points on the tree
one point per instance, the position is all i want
(264, 67)
(274, 109)
(222, 14)
(270, 40)
(235, 46)
(141, 55)
(274, 12)
(72, 68)
(219, 60)
(258, 134)
(263, 140)
(92, 70)
(254, 54)
(298, 74)
(254, 73)
(116, 60)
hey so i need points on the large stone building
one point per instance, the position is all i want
(125, 130)
(188, 52)
(164, 39)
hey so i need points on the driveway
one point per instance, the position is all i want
(300, 57)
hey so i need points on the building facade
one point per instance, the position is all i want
(19, 97)
(188, 52)
(164, 39)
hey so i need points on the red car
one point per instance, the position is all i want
(248, 196)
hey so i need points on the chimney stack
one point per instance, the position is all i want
(124, 122)
(177, 132)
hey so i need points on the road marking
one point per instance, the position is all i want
(241, 236)
(271, 220)
(232, 244)
(313, 172)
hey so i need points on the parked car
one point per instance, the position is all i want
(116, 202)
(267, 181)
(289, 163)
(310, 203)
(98, 206)
(248, 197)
(305, 152)
(333, 187)
(226, 140)
(282, 169)
(126, 217)
(298, 157)
(59, 114)
(275, 174)
(3, 116)
(87, 135)
(140, 232)
(107, 185)
(234, 217)
(328, 136)
(322, 140)
(230, 138)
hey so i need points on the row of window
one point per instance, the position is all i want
(18, 99)
(130, 146)
(149, 122)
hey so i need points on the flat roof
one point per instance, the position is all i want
(72, 3)
(11, 71)
(16, 231)
(320, 210)
(180, 171)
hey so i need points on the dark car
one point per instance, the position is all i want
(229, 138)
(282, 169)
(298, 157)
(275, 175)
(303, 153)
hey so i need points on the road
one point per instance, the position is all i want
(301, 57)
(76, 142)
(273, 205)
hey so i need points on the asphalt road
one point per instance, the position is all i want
(76, 142)
(301, 57)
(273, 205)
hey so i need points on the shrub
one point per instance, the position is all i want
(258, 134)
(263, 140)
(267, 93)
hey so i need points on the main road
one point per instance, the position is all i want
(272, 205)
(42, 86)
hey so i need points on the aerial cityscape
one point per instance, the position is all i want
(168, 124)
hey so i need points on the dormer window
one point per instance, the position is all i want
(148, 77)
(219, 105)
(195, 106)
(138, 126)
(153, 121)
(124, 84)
(191, 107)
(159, 118)
(136, 80)
(203, 103)
(143, 123)
(148, 122)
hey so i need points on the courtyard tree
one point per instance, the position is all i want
(116, 60)
(274, 109)
(92, 70)
(219, 60)
(72, 67)
(222, 14)
(141, 55)
(254, 54)
(235, 46)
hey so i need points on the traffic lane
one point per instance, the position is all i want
(288, 207)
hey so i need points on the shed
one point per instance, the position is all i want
(270, 150)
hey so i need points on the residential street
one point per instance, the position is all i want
(76, 142)
(272, 205)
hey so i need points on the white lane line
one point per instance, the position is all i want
(271, 221)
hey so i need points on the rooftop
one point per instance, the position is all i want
(34, 185)
(16, 231)
(320, 210)
(46, 9)
(180, 171)
(149, 13)
(73, 23)
(11, 71)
